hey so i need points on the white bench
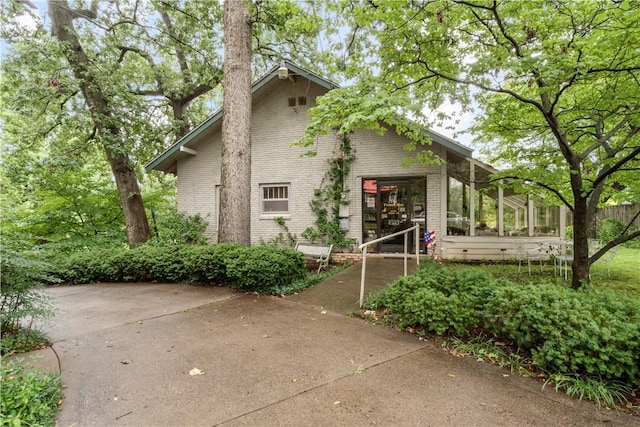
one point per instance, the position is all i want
(319, 252)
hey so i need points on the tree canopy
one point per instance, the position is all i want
(557, 84)
(125, 79)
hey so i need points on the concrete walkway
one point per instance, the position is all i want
(178, 355)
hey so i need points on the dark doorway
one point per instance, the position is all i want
(392, 205)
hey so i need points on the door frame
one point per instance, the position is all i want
(366, 212)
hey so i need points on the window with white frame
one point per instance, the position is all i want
(274, 198)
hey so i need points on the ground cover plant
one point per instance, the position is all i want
(592, 335)
(29, 397)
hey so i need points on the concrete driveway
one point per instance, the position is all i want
(128, 353)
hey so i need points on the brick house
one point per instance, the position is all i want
(383, 196)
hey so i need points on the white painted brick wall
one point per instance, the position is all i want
(274, 127)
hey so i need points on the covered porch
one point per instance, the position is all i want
(485, 221)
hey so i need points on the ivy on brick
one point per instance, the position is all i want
(329, 197)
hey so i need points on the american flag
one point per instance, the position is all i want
(429, 238)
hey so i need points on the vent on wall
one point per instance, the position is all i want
(296, 102)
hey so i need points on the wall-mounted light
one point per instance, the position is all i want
(283, 71)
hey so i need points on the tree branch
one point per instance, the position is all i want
(615, 242)
(539, 184)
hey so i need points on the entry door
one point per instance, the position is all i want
(390, 206)
(394, 208)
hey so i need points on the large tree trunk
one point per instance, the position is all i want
(235, 192)
(135, 217)
(581, 223)
(124, 175)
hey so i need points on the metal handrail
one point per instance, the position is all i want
(363, 248)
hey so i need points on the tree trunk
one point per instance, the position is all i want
(123, 173)
(135, 217)
(235, 191)
(581, 222)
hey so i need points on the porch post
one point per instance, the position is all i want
(562, 222)
(500, 210)
(530, 215)
(472, 198)
(444, 197)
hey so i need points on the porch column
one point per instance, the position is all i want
(472, 198)
(530, 215)
(562, 222)
(500, 211)
(444, 191)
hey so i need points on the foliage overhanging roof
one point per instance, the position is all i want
(165, 161)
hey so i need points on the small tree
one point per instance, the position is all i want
(21, 301)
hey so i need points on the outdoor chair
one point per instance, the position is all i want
(531, 255)
(608, 257)
(563, 261)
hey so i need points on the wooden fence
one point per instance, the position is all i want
(623, 213)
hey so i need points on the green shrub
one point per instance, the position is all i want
(609, 229)
(261, 268)
(29, 397)
(180, 228)
(21, 300)
(207, 264)
(440, 300)
(590, 333)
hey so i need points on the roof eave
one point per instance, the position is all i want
(157, 163)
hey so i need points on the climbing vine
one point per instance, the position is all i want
(329, 197)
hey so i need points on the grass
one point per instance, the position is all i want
(624, 274)
(609, 393)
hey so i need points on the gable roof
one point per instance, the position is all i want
(167, 159)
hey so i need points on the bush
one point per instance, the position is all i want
(261, 268)
(437, 299)
(29, 397)
(180, 228)
(21, 301)
(590, 333)
(609, 229)
(258, 268)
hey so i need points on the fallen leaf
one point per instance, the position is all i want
(196, 371)
(126, 361)
(451, 375)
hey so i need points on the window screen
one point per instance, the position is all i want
(275, 198)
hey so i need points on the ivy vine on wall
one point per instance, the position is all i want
(329, 197)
